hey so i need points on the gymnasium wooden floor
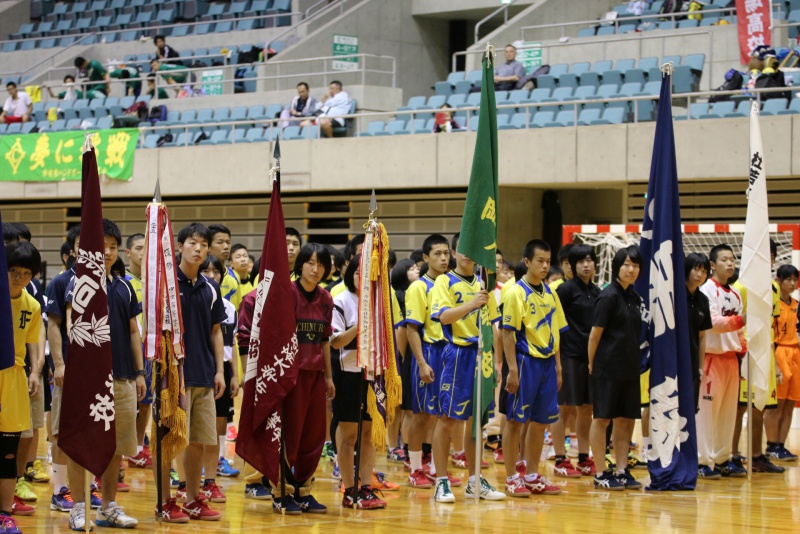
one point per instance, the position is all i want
(727, 506)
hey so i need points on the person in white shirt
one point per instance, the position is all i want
(636, 7)
(18, 106)
(335, 103)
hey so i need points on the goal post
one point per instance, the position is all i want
(607, 239)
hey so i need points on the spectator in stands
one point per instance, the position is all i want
(636, 7)
(97, 75)
(509, 73)
(168, 72)
(444, 120)
(71, 93)
(166, 53)
(151, 87)
(770, 76)
(132, 77)
(18, 106)
(335, 103)
(301, 105)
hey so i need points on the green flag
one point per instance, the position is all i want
(478, 239)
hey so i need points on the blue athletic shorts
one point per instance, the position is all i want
(425, 397)
(537, 397)
(148, 380)
(458, 380)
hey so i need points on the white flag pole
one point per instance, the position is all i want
(477, 415)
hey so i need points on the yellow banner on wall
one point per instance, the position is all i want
(56, 156)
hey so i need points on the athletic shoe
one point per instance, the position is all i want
(541, 486)
(114, 516)
(779, 453)
(516, 488)
(198, 509)
(419, 479)
(587, 467)
(122, 487)
(565, 469)
(213, 493)
(485, 491)
(379, 482)
(180, 493)
(396, 455)
(62, 501)
(327, 451)
(731, 469)
(256, 491)
(572, 451)
(336, 474)
(225, 469)
(367, 500)
(460, 460)
(172, 513)
(24, 491)
(288, 504)
(37, 473)
(761, 464)
(142, 459)
(548, 453)
(77, 517)
(610, 463)
(607, 481)
(310, 505)
(498, 455)
(232, 434)
(703, 471)
(443, 493)
(454, 482)
(8, 525)
(174, 480)
(97, 500)
(635, 463)
(626, 478)
(20, 508)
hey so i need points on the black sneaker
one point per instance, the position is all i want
(367, 499)
(761, 464)
(628, 481)
(731, 469)
(607, 481)
(289, 506)
(703, 471)
(310, 505)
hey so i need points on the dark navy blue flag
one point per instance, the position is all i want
(6, 322)
(672, 458)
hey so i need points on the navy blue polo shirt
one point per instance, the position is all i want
(122, 307)
(57, 304)
(201, 309)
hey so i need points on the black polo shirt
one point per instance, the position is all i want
(618, 312)
(699, 321)
(57, 304)
(577, 301)
(201, 309)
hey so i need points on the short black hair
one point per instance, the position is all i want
(416, 255)
(159, 36)
(65, 250)
(11, 84)
(498, 251)
(716, 249)
(349, 276)
(111, 229)
(79, 62)
(773, 247)
(577, 252)
(399, 274)
(151, 76)
(508, 265)
(532, 246)
(15, 232)
(194, 229)
(308, 250)
(430, 242)
(337, 257)
(392, 259)
(304, 84)
(520, 270)
(73, 234)
(555, 269)
(69, 77)
(214, 229)
(237, 247)
(630, 252)
(786, 271)
(696, 259)
(118, 268)
(337, 83)
(350, 248)
(512, 46)
(132, 239)
(293, 232)
(563, 253)
(454, 241)
(213, 261)
(256, 268)
(23, 254)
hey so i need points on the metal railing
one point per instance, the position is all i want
(327, 8)
(502, 9)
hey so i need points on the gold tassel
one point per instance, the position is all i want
(172, 416)
(375, 264)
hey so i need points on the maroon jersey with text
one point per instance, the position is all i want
(314, 313)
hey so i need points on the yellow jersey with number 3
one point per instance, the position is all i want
(537, 318)
(452, 290)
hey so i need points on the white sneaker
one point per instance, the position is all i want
(486, 492)
(572, 452)
(548, 453)
(114, 516)
(77, 517)
(443, 493)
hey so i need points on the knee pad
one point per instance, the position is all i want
(9, 442)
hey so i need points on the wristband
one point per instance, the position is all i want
(141, 372)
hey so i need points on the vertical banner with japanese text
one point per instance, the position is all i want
(754, 26)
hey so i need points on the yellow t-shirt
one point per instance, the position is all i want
(397, 315)
(338, 289)
(452, 290)
(555, 284)
(229, 287)
(537, 319)
(418, 309)
(136, 283)
(15, 415)
(244, 288)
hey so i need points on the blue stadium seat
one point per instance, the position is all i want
(463, 87)
(223, 27)
(650, 88)
(666, 25)
(540, 94)
(215, 11)
(474, 76)
(121, 21)
(635, 75)
(541, 118)
(675, 59)
(254, 135)
(9, 46)
(601, 66)
(774, 106)
(647, 63)
(415, 126)
(626, 28)
(568, 80)
(695, 62)
(696, 109)
(443, 88)
(624, 64)
(546, 81)
(517, 96)
(646, 26)
(180, 31)
(604, 91)
(586, 32)
(518, 120)
(221, 114)
(709, 20)
(238, 113)
(27, 127)
(612, 77)
(457, 100)
(72, 124)
(580, 67)
(374, 128)
(151, 140)
(685, 24)
(563, 118)
(794, 107)
(66, 40)
(472, 124)
(584, 92)
(436, 101)
(273, 110)
(220, 137)
(27, 45)
(587, 116)
(682, 79)
(560, 94)
(48, 42)
(395, 127)
(105, 123)
(455, 77)
(605, 31)
(611, 116)
(742, 110)
(558, 69)
(590, 79)
(718, 110)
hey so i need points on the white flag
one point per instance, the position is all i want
(756, 270)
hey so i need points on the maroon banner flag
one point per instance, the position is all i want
(87, 431)
(270, 372)
(755, 26)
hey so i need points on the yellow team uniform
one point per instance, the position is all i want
(418, 310)
(15, 415)
(338, 288)
(425, 397)
(555, 284)
(452, 290)
(136, 284)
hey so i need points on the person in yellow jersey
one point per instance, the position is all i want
(240, 268)
(23, 260)
(220, 247)
(456, 302)
(532, 324)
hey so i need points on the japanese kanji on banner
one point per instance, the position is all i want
(56, 156)
(754, 26)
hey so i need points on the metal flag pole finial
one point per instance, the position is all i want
(277, 153)
(157, 192)
(667, 68)
(490, 54)
(87, 142)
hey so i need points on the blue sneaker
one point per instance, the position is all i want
(336, 474)
(703, 471)
(310, 505)
(628, 481)
(8, 525)
(174, 480)
(731, 469)
(779, 453)
(607, 481)
(225, 469)
(289, 506)
(257, 491)
(97, 501)
(62, 501)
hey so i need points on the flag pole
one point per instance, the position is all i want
(88, 145)
(477, 417)
(156, 386)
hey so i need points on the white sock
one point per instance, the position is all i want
(139, 449)
(59, 477)
(415, 457)
(531, 477)
(458, 453)
(512, 478)
(472, 479)
(432, 465)
(222, 446)
(621, 471)
(645, 443)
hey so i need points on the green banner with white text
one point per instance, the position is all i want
(56, 156)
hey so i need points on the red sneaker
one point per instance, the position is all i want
(587, 468)
(18, 507)
(180, 491)
(198, 509)
(521, 469)
(565, 469)
(172, 513)
(460, 460)
(454, 482)
(367, 500)
(498, 456)
(516, 488)
(213, 493)
(541, 486)
(142, 459)
(122, 487)
(418, 479)
(232, 434)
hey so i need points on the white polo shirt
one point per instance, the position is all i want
(17, 107)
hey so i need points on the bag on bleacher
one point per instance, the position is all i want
(733, 82)
(138, 110)
(157, 113)
(771, 80)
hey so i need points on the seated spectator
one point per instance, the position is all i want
(771, 76)
(509, 73)
(18, 106)
(133, 77)
(636, 7)
(335, 103)
(151, 87)
(164, 52)
(168, 72)
(98, 79)
(444, 120)
(71, 93)
(301, 105)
